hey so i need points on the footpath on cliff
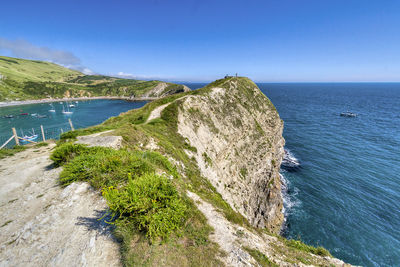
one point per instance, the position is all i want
(43, 224)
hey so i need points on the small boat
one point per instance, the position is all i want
(31, 137)
(41, 116)
(24, 113)
(66, 112)
(71, 105)
(52, 108)
(34, 114)
(76, 102)
(348, 114)
(61, 103)
(8, 116)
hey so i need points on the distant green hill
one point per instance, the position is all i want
(22, 79)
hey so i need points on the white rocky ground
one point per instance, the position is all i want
(43, 224)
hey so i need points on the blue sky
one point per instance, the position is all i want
(202, 40)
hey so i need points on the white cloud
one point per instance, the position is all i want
(24, 49)
(125, 75)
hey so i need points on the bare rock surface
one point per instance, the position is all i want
(101, 139)
(43, 224)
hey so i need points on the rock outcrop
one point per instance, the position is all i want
(164, 89)
(237, 133)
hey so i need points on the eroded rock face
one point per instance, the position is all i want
(238, 136)
(164, 89)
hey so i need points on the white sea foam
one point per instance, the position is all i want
(289, 160)
(290, 200)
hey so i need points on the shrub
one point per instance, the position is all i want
(69, 135)
(260, 258)
(66, 152)
(150, 203)
(297, 244)
(105, 167)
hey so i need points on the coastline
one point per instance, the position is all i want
(50, 100)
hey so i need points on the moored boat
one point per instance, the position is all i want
(348, 114)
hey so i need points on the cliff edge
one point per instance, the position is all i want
(238, 135)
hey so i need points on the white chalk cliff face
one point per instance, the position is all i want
(238, 136)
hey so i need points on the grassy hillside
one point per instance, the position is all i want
(22, 79)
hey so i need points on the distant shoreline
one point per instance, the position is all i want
(50, 100)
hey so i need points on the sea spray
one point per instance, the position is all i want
(289, 163)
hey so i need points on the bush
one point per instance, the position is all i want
(66, 152)
(104, 167)
(70, 135)
(297, 244)
(150, 203)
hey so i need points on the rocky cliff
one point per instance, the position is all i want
(238, 135)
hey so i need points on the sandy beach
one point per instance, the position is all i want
(49, 100)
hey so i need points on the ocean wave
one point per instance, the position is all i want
(290, 200)
(290, 162)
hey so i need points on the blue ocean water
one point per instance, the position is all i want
(346, 195)
(84, 114)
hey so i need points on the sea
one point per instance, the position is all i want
(343, 192)
(83, 114)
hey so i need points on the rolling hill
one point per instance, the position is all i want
(22, 79)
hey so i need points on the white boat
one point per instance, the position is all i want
(52, 108)
(71, 105)
(348, 114)
(66, 112)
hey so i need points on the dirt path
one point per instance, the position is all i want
(156, 113)
(43, 224)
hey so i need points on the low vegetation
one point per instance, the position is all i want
(6, 152)
(260, 258)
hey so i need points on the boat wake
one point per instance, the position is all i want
(290, 162)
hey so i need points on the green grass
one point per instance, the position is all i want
(7, 152)
(150, 203)
(6, 223)
(297, 244)
(21, 70)
(260, 258)
(41, 144)
(30, 79)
